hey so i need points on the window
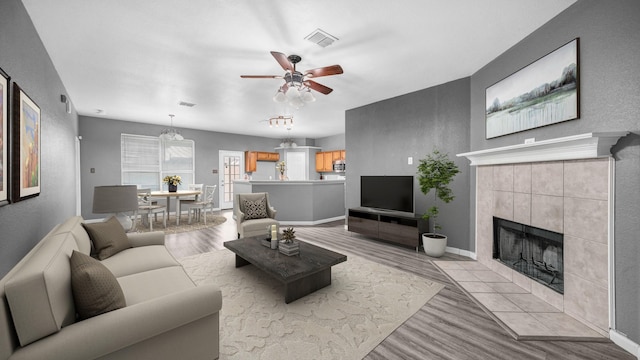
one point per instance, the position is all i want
(145, 160)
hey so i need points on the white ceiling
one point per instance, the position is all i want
(136, 60)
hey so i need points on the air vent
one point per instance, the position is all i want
(187, 104)
(321, 38)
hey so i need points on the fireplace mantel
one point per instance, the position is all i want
(583, 146)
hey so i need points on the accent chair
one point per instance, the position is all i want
(253, 214)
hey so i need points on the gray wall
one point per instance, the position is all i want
(100, 149)
(609, 33)
(23, 57)
(381, 136)
(329, 143)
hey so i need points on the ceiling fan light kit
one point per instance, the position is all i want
(297, 87)
(170, 134)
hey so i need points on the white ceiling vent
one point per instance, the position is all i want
(321, 38)
(187, 104)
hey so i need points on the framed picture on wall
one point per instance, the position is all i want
(26, 146)
(544, 92)
(4, 137)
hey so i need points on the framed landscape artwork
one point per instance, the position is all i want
(542, 93)
(4, 137)
(26, 146)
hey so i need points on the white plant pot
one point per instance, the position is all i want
(434, 246)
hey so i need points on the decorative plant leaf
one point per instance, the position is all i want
(288, 235)
(435, 172)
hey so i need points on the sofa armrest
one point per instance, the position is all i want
(272, 212)
(239, 217)
(146, 239)
(118, 329)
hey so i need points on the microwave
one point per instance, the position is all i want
(339, 166)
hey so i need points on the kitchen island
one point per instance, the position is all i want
(300, 202)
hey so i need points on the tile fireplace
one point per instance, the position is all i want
(560, 188)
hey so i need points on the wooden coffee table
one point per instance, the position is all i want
(301, 274)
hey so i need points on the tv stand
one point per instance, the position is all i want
(387, 225)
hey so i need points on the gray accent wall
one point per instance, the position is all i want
(380, 137)
(100, 149)
(24, 58)
(329, 143)
(609, 33)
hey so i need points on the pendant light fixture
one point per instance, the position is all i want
(170, 133)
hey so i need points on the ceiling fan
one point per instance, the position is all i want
(298, 84)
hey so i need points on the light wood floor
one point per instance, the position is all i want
(449, 326)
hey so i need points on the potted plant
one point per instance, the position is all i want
(173, 181)
(435, 172)
(288, 246)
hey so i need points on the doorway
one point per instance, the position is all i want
(231, 165)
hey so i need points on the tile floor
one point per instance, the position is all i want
(523, 314)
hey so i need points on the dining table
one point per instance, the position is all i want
(174, 194)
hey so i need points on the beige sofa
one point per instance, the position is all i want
(166, 315)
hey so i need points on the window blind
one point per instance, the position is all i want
(145, 160)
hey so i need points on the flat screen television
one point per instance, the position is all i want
(387, 192)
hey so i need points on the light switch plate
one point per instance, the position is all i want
(410, 160)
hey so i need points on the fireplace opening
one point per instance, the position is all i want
(534, 252)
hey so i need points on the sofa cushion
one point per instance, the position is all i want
(39, 292)
(108, 237)
(139, 259)
(95, 289)
(255, 209)
(258, 225)
(151, 284)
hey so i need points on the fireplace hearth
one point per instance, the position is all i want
(534, 252)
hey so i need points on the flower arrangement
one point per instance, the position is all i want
(174, 180)
(281, 167)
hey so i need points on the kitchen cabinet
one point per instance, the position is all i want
(325, 159)
(252, 157)
(268, 156)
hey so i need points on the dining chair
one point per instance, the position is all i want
(147, 208)
(200, 207)
(190, 199)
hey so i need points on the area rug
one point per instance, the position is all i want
(172, 228)
(346, 320)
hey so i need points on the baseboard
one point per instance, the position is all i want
(314, 222)
(624, 342)
(461, 252)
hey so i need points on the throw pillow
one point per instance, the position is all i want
(255, 209)
(108, 237)
(95, 289)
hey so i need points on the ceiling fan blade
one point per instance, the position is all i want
(324, 71)
(318, 87)
(261, 76)
(283, 60)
